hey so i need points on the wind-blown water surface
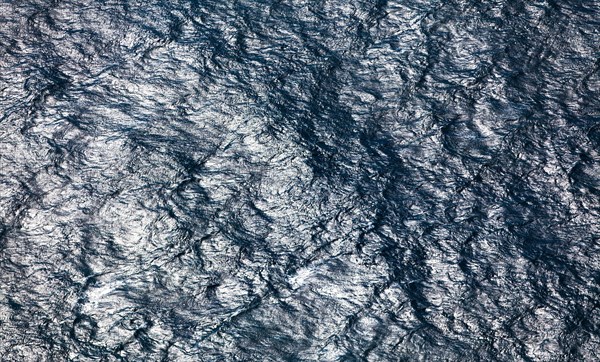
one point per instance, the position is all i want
(300, 180)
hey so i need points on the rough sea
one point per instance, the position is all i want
(299, 180)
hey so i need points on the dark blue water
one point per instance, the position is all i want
(300, 180)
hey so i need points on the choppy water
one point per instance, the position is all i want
(300, 180)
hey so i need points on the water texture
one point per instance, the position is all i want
(300, 180)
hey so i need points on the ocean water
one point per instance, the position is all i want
(299, 180)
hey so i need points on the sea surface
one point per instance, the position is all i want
(299, 180)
